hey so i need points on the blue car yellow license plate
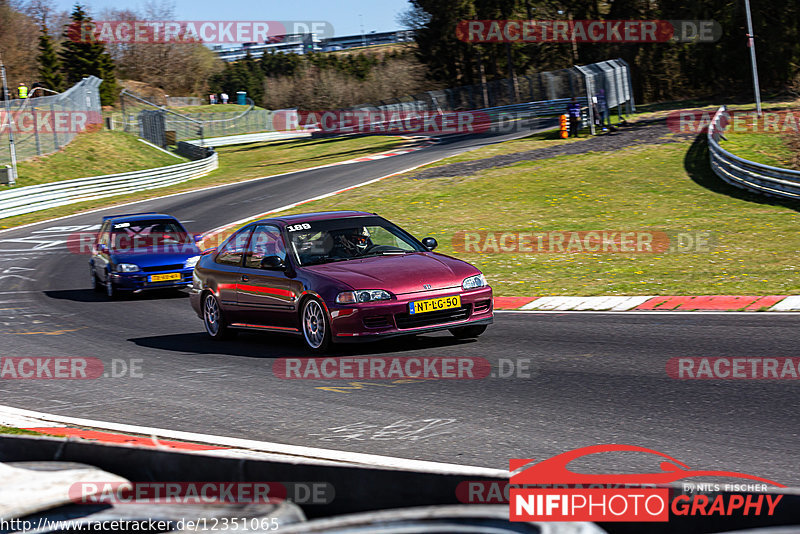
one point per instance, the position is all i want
(443, 303)
(163, 277)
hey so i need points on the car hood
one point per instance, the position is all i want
(407, 273)
(154, 256)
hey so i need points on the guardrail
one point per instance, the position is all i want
(253, 138)
(32, 198)
(745, 174)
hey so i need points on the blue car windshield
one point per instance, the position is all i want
(332, 240)
(147, 233)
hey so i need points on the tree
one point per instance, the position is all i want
(82, 57)
(49, 65)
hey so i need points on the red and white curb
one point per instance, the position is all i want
(615, 303)
(422, 142)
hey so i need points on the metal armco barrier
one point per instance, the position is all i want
(756, 177)
(39, 197)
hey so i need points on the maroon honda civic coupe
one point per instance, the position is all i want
(336, 277)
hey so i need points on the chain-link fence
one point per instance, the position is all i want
(163, 126)
(154, 123)
(181, 101)
(44, 124)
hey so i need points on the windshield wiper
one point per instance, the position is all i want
(327, 260)
(385, 253)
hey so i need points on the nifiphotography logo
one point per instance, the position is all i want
(564, 495)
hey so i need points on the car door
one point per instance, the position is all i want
(227, 272)
(266, 295)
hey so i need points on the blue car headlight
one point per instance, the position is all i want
(474, 282)
(191, 262)
(127, 268)
(362, 295)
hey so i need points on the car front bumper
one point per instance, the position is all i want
(381, 319)
(139, 281)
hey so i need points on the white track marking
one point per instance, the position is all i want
(291, 452)
(787, 304)
(600, 303)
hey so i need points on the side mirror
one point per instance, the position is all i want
(198, 238)
(102, 248)
(430, 243)
(273, 263)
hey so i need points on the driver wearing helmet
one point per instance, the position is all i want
(351, 242)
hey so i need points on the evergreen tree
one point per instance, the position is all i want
(82, 56)
(49, 65)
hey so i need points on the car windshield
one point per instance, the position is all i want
(148, 233)
(333, 240)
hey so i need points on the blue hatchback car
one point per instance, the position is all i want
(141, 251)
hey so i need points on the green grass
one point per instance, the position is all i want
(767, 148)
(666, 187)
(18, 431)
(93, 154)
(531, 142)
(239, 163)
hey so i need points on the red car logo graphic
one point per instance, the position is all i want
(554, 470)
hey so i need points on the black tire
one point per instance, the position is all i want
(214, 320)
(315, 326)
(467, 332)
(93, 280)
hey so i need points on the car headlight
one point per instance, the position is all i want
(474, 282)
(362, 295)
(191, 262)
(127, 268)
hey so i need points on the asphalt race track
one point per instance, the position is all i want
(590, 378)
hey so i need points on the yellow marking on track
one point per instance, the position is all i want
(354, 386)
(51, 333)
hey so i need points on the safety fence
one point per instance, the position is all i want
(757, 177)
(45, 124)
(33, 198)
(162, 126)
(181, 101)
(598, 87)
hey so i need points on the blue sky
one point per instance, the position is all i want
(378, 15)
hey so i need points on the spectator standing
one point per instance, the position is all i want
(224, 97)
(602, 106)
(212, 99)
(22, 91)
(574, 112)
